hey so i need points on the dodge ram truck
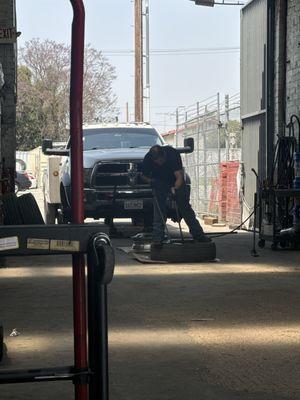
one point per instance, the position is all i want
(112, 158)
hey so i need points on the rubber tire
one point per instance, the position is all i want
(1, 342)
(11, 210)
(187, 252)
(148, 222)
(30, 211)
(50, 213)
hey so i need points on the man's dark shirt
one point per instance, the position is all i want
(165, 172)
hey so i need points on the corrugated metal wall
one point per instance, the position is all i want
(253, 94)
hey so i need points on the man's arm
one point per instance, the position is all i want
(179, 179)
(146, 170)
(178, 169)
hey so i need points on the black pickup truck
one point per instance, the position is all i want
(112, 156)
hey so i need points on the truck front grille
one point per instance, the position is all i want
(116, 174)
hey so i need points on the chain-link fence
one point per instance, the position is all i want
(215, 127)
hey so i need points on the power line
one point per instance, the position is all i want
(175, 51)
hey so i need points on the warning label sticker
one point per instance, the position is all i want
(64, 245)
(38, 244)
(9, 243)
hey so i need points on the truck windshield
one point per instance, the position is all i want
(117, 138)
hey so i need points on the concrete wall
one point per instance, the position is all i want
(293, 59)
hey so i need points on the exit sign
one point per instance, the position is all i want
(8, 35)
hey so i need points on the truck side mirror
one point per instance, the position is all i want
(49, 150)
(188, 143)
(47, 144)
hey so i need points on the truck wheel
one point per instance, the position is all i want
(148, 222)
(50, 213)
(64, 216)
(29, 209)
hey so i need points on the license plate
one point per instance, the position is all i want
(133, 204)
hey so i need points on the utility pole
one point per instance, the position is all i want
(138, 60)
(8, 39)
(147, 61)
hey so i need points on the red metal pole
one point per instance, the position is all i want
(79, 290)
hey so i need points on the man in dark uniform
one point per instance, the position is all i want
(162, 168)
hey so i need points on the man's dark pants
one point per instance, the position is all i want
(161, 191)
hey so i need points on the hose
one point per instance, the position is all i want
(237, 228)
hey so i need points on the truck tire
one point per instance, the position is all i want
(50, 211)
(30, 212)
(145, 221)
(148, 222)
(11, 211)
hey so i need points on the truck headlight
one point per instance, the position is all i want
(87, 174)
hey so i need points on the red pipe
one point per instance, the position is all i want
(76, 90)
(76, 95)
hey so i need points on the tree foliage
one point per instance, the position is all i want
(43, 91)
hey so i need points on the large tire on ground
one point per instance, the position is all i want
(30, 211)
(186, 252)
(11, 210)
(50, 213)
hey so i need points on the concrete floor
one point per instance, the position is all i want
(225, 330)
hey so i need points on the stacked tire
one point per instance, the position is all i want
(1, 342)
(22, 210)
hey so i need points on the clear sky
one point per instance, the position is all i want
(174, 24)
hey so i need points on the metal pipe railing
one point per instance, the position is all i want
(79, 289)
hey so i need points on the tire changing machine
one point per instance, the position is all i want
(89, 373)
